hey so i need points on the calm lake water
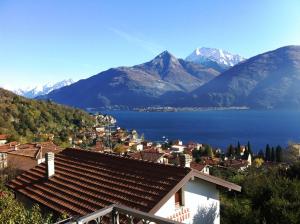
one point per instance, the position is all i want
(218, 128)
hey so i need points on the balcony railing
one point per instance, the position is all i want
(116, 214)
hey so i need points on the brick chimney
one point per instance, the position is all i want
(185, 160)
(49, 164)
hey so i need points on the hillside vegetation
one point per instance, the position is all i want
(33, 120)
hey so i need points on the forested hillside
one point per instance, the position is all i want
(33, 120)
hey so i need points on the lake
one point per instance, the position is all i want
(217, 128)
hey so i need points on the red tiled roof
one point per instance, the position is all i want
(3, 137)
(235, 163)
(147, 155)
(87, 181)
(33, 150)
(197, 166)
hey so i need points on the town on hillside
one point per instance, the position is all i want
(108, 167)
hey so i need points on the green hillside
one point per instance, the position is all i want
(33, 120)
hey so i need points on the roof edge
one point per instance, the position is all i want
(179, 185)
(216, 180)
(194, 173)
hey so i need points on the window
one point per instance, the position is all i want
(178, 198)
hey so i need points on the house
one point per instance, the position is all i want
(8, 147)
(177, 148)
(3, 160)
(3, 139)
(200, 167)
(150, 155)
(139, 147)
(239, 165)
(78, 182)
(26, 156)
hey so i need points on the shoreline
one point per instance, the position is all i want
(166, 109)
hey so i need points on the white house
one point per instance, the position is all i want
(82, 182)
(139, 147)
(177, 148)
(199, 195)
(3, 139)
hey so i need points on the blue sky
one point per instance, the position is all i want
(48, 41)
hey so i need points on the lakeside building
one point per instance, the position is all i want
(26, 156)
(80, 182)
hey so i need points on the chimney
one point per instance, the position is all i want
(185, 160)
(49, 164)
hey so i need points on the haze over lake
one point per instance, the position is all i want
(218, 128)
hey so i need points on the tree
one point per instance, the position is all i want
(249, 148)
(238, 149)
(261, 154)
(258, 162)
(268, 153)
(13, 211)
(273, 156)
(267, 196)
(278, 154)
(230, 151)
(120, 148)
(208, 151)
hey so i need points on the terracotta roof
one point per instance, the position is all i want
(6, 148)
(33, 150)
(197, 166)
(147, 155)
(87, 181)
(235, 163)
(3, 137)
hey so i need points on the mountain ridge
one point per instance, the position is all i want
(32, 92)
(267, 80)
(257, 82)
(152, 83)
(220, 58)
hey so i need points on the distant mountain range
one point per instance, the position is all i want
(268, 80)
(32, 92)
(216, 58)
(207, 78)
(157, 82)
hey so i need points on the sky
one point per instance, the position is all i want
(49, 41)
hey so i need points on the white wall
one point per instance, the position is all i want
(167, 209)
(197, 194)
(200, 194)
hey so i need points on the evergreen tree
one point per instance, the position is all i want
(208, 151)
(278, 154)
(268, 153)
(197, 159)
(273, 158)
(261, 154)
(249, 149)
(238, 149)
(230, 151)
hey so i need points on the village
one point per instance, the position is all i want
(117, 159)
(106, 137)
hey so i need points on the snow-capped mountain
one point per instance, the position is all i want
(206, 55)
(32, 92)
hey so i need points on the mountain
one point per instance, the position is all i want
(157, 82)
(268, 80)
(32, 92)
(29, 120)
(215, 58)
